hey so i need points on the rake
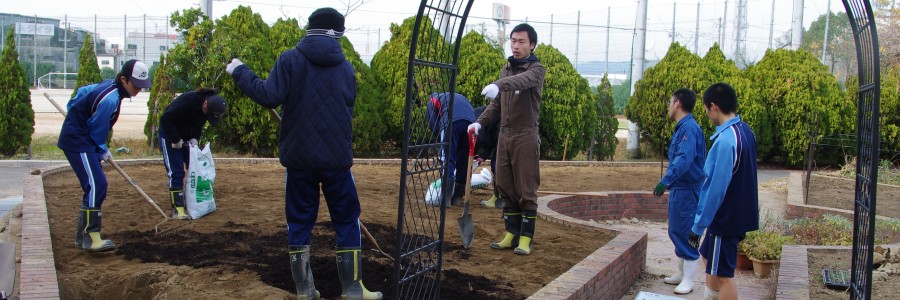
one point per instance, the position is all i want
(128, 178)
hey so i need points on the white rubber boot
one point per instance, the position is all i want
(679, 274)
(687, 282)
(709, 294)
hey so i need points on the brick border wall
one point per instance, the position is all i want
(607, 273)
(613, 206)
(793, 274)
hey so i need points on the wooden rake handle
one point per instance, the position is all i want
(136, 187)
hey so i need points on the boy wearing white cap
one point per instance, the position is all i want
(92, 113)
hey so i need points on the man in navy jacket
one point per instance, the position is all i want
(316, 86)
(729, 199)
(437, 111)
(92, 113)
(687, 151)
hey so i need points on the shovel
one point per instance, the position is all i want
(466, 227)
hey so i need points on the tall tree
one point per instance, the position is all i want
(16, 114)
(841, 54)
(161, 94)
(88, 69)
(607, 125)
(479, 65)
(568, 107)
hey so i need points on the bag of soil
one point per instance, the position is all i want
(198, 192)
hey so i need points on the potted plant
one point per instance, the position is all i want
(764, 250)
(743, 262)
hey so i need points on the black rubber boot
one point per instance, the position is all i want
(459, 191)
(512, 219)
(178, 211)
(79, 230)
(349, 264)
(529, 218)
(302, 272)
(92, 240)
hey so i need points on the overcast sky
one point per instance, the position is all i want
(585, 44)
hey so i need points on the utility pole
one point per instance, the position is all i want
(637, 70)
(697, 32)
(724, 21)
(124, 43)
(772, 24)
(740, 30)
(206, 8)
(719, 38)
(144, 41)
(551, 29)
(674, 9)
(66, 50)
(577, 39)
(797, 25)
(827, 23)
(34, 51)
(606, 69)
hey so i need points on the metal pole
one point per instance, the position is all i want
(551, 29)
(34, 51)
(772, 24)
(719, 38)
(144, 41)
(606, 69)
(577, 39)
(825, 37)
(697, 32)
(637, 70)
(674, 10)
(724, 21)
(125, 42)
(65, 53)
(797, 25)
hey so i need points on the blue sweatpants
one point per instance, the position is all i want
(459, 150)
(176, 161)
(302, 205)
(682, 208)
(90, 174)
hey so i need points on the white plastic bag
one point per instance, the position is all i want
(201, 175)
(482, 180)
(433, 195)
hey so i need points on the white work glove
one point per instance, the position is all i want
(193, 142)
(233, 65)
(474, 126)
(490, 91)
(106, 156)
(178, 144)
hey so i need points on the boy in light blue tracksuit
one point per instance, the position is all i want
(91, 115)
(728, 205)
(687, 151)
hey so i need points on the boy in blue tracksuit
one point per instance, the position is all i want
(180, 127)
(728, 205)
(316, 87)
(463, 114)
(687, 151)
(91, 115)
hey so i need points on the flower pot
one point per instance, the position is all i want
(743, 262)
(762, 268)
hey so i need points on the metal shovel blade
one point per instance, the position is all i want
(466, 226)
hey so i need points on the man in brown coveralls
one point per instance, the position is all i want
(516, 100)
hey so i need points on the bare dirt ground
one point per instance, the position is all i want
(883, 286)
(239, 252)
(839, 193)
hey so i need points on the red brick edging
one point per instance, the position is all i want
(605, 274)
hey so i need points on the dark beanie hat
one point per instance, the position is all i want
(326, 21)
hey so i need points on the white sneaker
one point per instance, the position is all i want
(687, 283)
(679, 274)
(709, 294)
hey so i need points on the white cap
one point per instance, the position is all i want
(139, 73)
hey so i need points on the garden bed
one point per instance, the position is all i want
(240, 250)
(883, 286)
(838, 193)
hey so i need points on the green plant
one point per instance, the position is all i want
(161, 94)
(607, 124)
(830, 230)
(88, 69)
(765, 245)
(16, 114)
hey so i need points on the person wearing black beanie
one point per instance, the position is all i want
(315, 86)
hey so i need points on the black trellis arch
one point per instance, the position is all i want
(432, 68)
(862, 21)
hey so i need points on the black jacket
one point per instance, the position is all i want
(184, 118)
